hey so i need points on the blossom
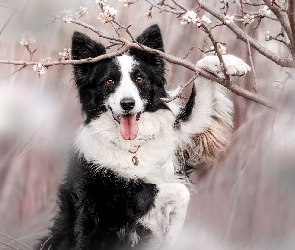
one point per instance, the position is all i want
(248, 19)
(82, 12)
(108, 14)
(229, 19)
(27, 38)
(221, 49)
(189, 17)
(46, 59)
(265, 11)
(39, 68)
(267, 36)
(203, 20)
(66, 55)
(101, 2)
(65, 15)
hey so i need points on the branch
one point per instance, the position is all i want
(69, 62)
(282, 61)
(283, 18)
(291, 16)
(170, 58)
(162, 9)
(15, 240)
(179, 90)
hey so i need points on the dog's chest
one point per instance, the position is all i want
(151, 156)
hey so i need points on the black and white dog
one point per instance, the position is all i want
(126, 185)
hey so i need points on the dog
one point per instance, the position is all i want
(127, 184)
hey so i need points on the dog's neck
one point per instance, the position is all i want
(150, 154)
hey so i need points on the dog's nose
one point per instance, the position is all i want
(127, 103)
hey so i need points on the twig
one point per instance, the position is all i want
(252, 66)
(179, 90)
(179, 5)
(15, 240)
(7, 21)
(19, 69)
(165, 9)
(188, 52)
(6, 235)
(5, 244)
(215, 44)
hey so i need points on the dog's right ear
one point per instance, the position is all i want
(84, 47)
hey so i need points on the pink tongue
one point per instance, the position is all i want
(128, 127)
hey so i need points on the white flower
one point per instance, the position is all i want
(108, 14)
(267, 36)
(39, 68)
(101, 2)
(82, 12)
(205, 19)
(221, 49)
(248, 19)
(189, 17)
(229, 19)
(46, 59)
(265, 11)
(65, 15)
(66, 55)
(27, 38)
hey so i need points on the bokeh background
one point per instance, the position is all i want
(246, 200)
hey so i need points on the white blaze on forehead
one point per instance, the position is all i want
(126, 87)
(126, 64)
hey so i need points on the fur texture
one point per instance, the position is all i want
(126, 186)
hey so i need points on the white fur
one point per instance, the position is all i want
(211, 100)
(166, 219)
(234, 66)
(126, 89)
(102, 144)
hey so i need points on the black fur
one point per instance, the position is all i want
(94, 208)
(185, 113)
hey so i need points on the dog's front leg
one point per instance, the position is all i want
(83, 226)
(166, 218)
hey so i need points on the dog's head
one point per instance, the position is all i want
(124, 86)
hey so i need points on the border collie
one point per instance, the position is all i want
(126, 186)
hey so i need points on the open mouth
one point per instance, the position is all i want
(128, 125)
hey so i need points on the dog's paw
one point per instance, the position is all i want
(234, 66)
(165, 220)
(133, 238)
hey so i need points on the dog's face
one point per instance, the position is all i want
(124, 87)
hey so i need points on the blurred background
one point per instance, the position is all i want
(246, 200)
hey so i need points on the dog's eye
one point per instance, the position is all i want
(139, 79)
(109, 81)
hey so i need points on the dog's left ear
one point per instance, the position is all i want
(152, 38)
